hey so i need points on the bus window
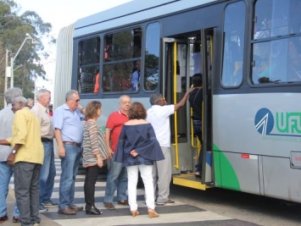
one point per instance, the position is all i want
(88, 65)
(276, 53)
(152, 52)
(234, 35)
(122, 56)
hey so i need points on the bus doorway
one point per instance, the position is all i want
(183, 58)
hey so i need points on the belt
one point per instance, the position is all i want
(44, 139)
(72, 143)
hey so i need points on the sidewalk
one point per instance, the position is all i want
(11, 201)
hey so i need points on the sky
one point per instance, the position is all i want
(61, 13)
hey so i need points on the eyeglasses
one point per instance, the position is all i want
(78, 100)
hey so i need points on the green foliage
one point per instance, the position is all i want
(28, 64)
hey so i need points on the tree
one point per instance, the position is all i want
(13, 29)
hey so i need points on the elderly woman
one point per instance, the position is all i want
(137, 149)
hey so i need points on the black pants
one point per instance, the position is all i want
(89, 186)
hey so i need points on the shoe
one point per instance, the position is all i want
(109, 205)
(135, 213)
(50, 203)
(36, 224)
(42, 209)
(169, 201)
(123, 202)
(67, 211)
(4, 218)
(76, 208)
(16, 220)
(152, 213)
(93, 211)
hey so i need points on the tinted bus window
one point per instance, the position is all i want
(276, 44)
(122, 56)
(152, 52)
(88, 65)
(234, 35)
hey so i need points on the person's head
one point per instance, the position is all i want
(137, 111)
(157, 99)
(18, 103)
(197, 80)
(72, 99)
(30, 103)
(93, 110)
(43, 97)
(124, 103)
(11, 94)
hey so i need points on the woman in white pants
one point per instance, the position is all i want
(137, 149)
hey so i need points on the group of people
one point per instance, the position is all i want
(135, 140)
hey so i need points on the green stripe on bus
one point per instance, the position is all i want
(224, 173)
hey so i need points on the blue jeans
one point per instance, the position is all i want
(116, 179)
(6, 172)
(69, 165)
(47, 173)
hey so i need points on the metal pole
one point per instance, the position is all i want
(13, 61)
(6, 65)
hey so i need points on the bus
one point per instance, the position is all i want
(249, 55)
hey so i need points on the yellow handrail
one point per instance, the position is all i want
(175, 51)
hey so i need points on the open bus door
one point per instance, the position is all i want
(182, 59)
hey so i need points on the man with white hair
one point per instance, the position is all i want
(27, 157)
(47, 174)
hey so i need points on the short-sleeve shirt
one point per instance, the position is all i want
(45, 120)
(27, 131)
(114, 124)
(69, 122)
(158, 116)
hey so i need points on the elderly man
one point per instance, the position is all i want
(117, 174)
(6, 121)
(67, 122)
(158, 116)
(27, 156)
(47, 174)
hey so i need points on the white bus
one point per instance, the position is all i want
(249, 53)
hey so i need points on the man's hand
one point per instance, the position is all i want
(61, 152)
(11, 159)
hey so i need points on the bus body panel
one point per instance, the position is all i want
(254, 137)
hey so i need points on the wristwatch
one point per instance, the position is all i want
(14, 151)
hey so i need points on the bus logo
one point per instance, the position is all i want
(278, 123)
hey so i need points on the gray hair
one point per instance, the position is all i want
(41, 92)
(154, 98)
(70, 93)
(11, 94)
(122, 97)
(20, 99)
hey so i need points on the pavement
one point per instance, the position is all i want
(45, 221)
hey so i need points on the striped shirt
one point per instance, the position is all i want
(93, 141)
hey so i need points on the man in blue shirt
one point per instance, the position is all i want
(67, 122)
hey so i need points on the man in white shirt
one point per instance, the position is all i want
(158, 116)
